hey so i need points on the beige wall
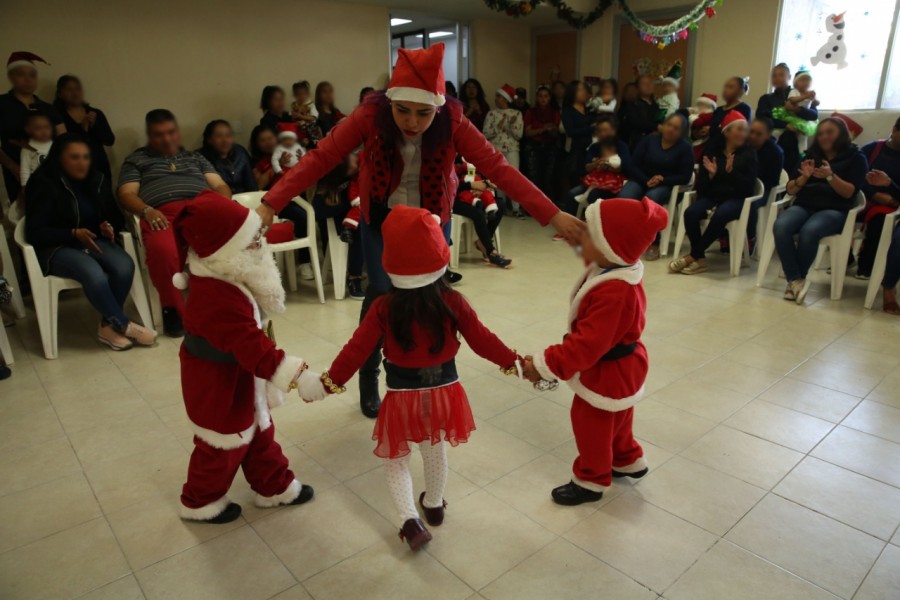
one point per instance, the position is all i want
(501, 53)
(200, 58)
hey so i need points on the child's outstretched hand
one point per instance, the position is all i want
(309, 387)
(528, 370)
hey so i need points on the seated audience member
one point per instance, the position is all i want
(781, 89)
(638, 117)
(659, 162)
(155, 184)
(542, 132)
(365, 92)
(503, 127)
(728, 171)
(450, 89)
(892, 276)
(578, 124)
(770, 158)
(72, 220)
(475, 103)
(80, 117)
(732, 95)
(263, 141)
(882, 190)
(825, 188)
(288, 146)
(334, 199)
(329, 115)
(604, 165)
(477, 199)
(305, 115)
(272, 104)
(230, 160)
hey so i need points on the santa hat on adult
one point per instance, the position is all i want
(287, 130)
(415, 250)
(855, 128)
(215, 227)
(708, 99)
(20, 58)
(507, 91)
(419, 76)
(732, 117)
(623, 229)
(674, 75)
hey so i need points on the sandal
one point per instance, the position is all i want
(892, 308)
(678, 265)
(695, 268)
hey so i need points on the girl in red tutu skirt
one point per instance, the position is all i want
(419, 320)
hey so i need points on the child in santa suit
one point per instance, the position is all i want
(350, 223)
(419, 319)
(700, 118)
(472, 195)
(231, 371)
(602, 358)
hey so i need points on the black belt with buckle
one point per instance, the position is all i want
(201, 348)
(620, 351)
(406, 378)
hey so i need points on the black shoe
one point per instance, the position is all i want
(347, 235)
(5, 372)
(355, 289)
(369, 398)
(453, 278)
(635, 475)
(306, 494)
(572, 494)
(499, 260)
(231, 512)
(172, 325)
(414, 533)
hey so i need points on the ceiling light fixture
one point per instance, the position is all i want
(397, 21)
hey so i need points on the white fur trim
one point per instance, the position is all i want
(180, 280)
(671, 80)
(436, 218)
(352, 222)
(274, 396)
(540, 365)
(589, 485)
(285, 497)
(355, 202)
(603, 402)
(20, 63)
(639, 465)
(502, 92)
(287, 133)
(595, 227)
(205, 513)
(224, 441)
(241, 238)
(411, 94)
(286, 372)
(594, 276)
(411, 282)
(706, 101)
(490, 208)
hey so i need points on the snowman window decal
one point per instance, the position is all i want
(834, 51)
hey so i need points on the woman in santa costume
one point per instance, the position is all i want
(419, 319)
(411, 134)
(231, 371)
(602, 357)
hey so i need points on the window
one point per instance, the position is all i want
(850, 63)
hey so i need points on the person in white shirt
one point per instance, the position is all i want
(40, 138)
(503, 127)
(287, 145)
(605, 100)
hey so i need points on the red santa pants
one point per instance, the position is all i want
(604, 441)
(211, 470)
(165, 255)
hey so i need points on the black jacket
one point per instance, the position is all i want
(99, 135)
(851, 166)
(728, 186)
(51, 210)
(236, 170)
(637, 119)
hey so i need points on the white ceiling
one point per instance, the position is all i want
(465, 10)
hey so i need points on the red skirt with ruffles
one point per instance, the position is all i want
(435, 414)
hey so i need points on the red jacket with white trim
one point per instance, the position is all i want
(607, 309)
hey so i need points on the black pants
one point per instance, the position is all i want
(486, 223)
(541, 158)
(866, 258)
(789, 143)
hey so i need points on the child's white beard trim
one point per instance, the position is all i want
(255, 269)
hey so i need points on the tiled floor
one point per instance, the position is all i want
(772, 430)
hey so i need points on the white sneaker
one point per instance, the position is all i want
(800, 287)
(112, 338)
(306, 272)
(789, 293)
(140, 335)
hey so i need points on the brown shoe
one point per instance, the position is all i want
(414, 534)
(434, 516)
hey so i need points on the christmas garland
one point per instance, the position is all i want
(659, 35)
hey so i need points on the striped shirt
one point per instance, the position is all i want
(165, 179)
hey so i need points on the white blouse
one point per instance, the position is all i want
(407, 192)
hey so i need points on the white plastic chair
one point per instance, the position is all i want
(18, 305)
(887, 232)
(251, 200)
(5, 349)
(762, 215)
(45, 291)
(336, 260)
(673, 212)
(838, 246)
(737, 229)
(138, 254)
(460, 227)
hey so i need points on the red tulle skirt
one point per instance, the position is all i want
(435, 414)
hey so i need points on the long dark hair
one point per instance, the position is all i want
(843, 143)
(479, 94)
(425, 306)
(266, 97)
(60, 84)
(438, 134)
(207, 150)
(572, 91)
(51, 168)
(255, 154)
(320, 106)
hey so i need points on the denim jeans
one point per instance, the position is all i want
(106, 278)
(373, 248)
(811, 226)
(571, 205)
(337, 212)
(892, 267)
(660, 194)
(297, 215)
(727, 211)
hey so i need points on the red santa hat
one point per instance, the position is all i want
(623, 229)
(708, 99)
(415, 250)
(215, 227)
(855, 128)
(507, 91)
(287, 130)
(419, 76)
(21, 58)
(732, 117)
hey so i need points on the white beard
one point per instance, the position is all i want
(255, 269)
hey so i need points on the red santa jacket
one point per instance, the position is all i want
(607, 309)
(380, 167)
(226, 401)
(375, 327)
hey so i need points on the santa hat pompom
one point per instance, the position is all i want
(180, 280)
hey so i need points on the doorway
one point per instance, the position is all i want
(413, 31)
(555, 56)
(636, 57)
